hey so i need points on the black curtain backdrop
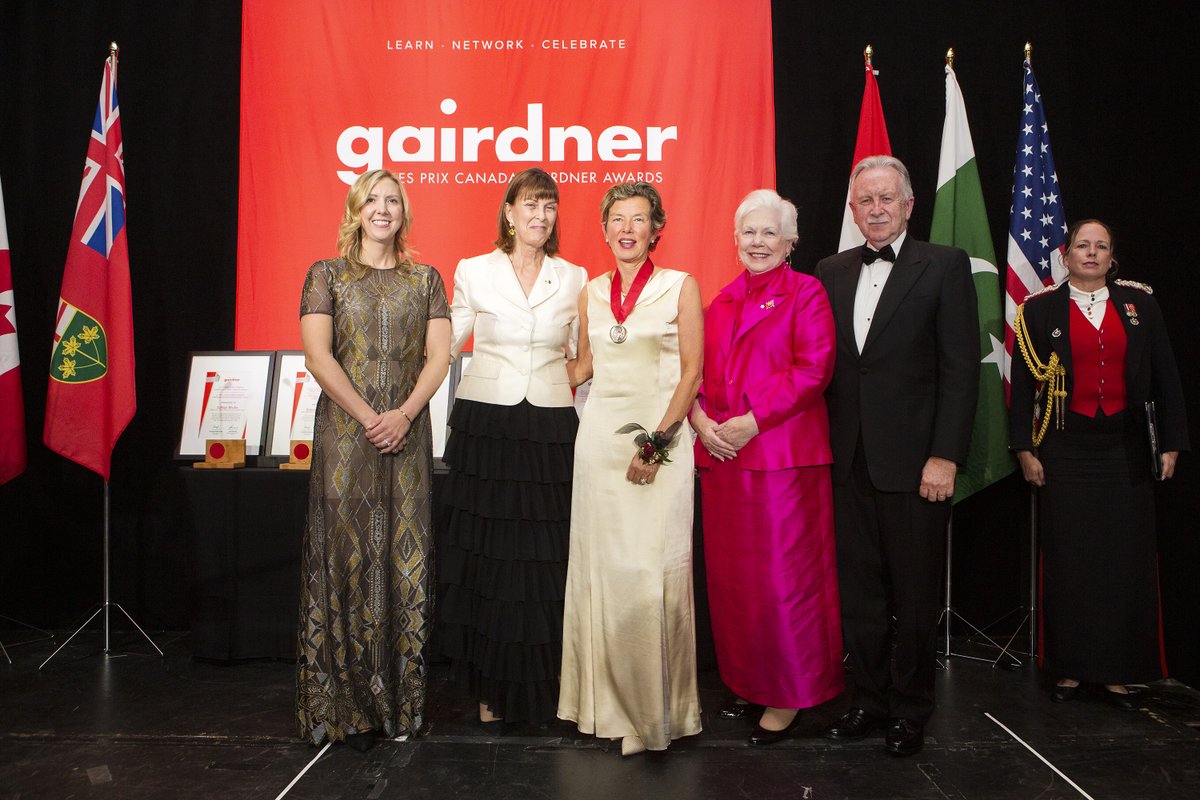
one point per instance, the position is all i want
(1121, 137)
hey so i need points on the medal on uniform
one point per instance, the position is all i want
(620, 310)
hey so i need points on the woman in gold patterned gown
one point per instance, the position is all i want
(629, 636)
(376, 333)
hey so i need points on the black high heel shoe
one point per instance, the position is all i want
(1122, 700)
(1064, 694)
(761, 737)
(362, 742)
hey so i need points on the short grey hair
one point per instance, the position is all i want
(885, 162)
(767, 200)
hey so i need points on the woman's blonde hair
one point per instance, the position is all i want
(350, 230)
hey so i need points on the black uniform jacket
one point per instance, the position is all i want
(1150, 371)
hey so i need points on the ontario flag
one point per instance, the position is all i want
(12, 407)
(872, 141)
(92, 396)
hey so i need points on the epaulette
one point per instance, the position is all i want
(1145, 287)
(1028, 297)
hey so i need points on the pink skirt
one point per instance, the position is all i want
(772, 583)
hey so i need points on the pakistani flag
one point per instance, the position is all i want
(960, 220)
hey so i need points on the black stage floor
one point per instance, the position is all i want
(135, 726)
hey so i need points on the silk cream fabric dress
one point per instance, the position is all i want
(629, 644)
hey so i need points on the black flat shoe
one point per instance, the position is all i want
(1122, 700)
(739, 710)
(493, 727)
(362, 742)
(855, 724)
(904, 737)
(761, 737)
(1064, 694)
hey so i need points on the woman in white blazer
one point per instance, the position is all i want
(511, 454)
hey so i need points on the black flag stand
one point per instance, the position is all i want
(106, 603)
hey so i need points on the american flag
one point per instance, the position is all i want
(1037, 227)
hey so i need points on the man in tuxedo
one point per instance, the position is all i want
(901, 404)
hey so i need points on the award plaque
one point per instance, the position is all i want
(300, 456)
(223, 454)
(294, 396)
(226, 399)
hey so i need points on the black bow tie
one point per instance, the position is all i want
(870, 256)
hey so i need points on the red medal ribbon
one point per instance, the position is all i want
(621, 310)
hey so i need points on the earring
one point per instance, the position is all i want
(512, 231)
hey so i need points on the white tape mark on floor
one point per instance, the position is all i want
(1039, 755)
(307, 766)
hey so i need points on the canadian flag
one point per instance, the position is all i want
(872, 140)
(12, 407)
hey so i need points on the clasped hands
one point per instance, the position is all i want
(722, 441)
(388, 431)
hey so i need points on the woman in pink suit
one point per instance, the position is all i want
(763, 454)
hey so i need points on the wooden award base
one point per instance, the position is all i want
(300, 455)
(223, 454)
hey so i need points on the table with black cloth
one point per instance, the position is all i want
(247, 526)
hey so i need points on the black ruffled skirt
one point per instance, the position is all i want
(503, 561)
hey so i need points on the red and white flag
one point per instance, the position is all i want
(12, 407)
(872, 141)
(92, 396)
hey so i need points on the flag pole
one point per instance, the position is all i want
(1033, 518)
(107, 603)
(107, 585)
(953, 209)
(868, 52)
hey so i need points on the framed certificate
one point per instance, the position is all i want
(294, 394)
(227, 397)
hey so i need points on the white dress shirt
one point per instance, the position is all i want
(871, 281)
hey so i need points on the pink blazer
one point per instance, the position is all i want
(776, 362)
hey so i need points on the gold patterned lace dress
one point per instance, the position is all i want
(365, 594)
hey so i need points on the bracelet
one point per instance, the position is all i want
(406, 416)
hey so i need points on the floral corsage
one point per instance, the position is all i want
(653, 447)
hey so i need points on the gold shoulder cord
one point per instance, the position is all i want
(1054, 375)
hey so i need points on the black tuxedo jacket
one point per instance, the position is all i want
(1150, 370)
(911, 392)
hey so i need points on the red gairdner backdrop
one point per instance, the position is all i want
(459, 95)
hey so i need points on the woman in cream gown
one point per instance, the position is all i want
(629, 655)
